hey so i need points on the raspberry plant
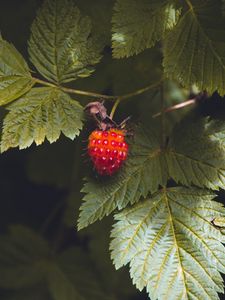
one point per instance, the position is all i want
(169, 223)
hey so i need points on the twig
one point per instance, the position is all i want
(176, 106)
(74, 91)
(162, 116)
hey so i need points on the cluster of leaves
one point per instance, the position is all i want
(171, 237)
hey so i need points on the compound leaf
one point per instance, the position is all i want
(41, 113)
(196, 153)
(171, 245)
(141, 174)
(15, 78)
(194, 51)
(62, 46)
(138, 25)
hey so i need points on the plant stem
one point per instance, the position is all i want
(189, 5)
(141, 91)
(176, 106)
(73, 91)
(100, 96)
(114, 108)
(162, 116)
(46, 83)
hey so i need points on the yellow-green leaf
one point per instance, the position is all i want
(41, 113)
(15, 78)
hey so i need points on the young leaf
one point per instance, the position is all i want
(141, 174)
(21, 257)
(194, 51)
(41, 113)
(139, 24)
(171, 245)
(15, 78)
(196, 153)
(62, 46)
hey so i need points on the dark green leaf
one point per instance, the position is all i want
(194, 51)
(139, 24)
(62, 46)
(196, 153)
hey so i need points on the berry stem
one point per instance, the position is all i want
(114, 108)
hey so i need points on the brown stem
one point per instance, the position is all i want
(176, 106)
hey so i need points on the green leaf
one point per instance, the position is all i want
(171, 245)
(15, 78)
(138, 25)
(132, 182)
(41, 113)
(21, 258)
(62, 46)
(194, 51)
(196, 153)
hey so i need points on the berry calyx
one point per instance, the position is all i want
(107, 150)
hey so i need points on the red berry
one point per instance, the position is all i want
(107, 150)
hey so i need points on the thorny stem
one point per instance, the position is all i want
(101, 96)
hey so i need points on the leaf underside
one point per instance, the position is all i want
(41, 113)
(169, 241)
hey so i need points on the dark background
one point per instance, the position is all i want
(34, 182)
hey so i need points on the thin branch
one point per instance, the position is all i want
(74, 91)
(176, 106)
(162, 116)
(100, 96)
(141, 91)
